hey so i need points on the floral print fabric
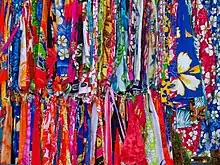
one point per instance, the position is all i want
(184, 69)
(210, 128)
(107, 81)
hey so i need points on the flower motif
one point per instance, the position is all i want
(216, 99)
(62, 40)
(216, 137)
(63, 53)
(178, 131)
(214, 114)
(207, 77)
(58, 3)
(59, 18)
(189, 142)
(205, 138)
(174, 123)
(193, 134)
(190, 81)
(204, 28)
(209, 50)
(213, 21)
(213, 10)
(183, 133)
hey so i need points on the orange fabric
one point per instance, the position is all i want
(23, 127)
(3, 92)
(44, 20)
(7, 136)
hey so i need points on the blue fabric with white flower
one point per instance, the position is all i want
(63, 38)
(210, 128)
(184, 69)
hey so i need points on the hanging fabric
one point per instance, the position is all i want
(107, 82)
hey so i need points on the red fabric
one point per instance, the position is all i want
(133, 150)
(2, 18)
(3, 75)
(31, 65)
(67, 10)
(139, 110)
(50, 62)
(40, 78)
(190, 137)
(117, 149)
(206, 49)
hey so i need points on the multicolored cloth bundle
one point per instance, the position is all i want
(107, 81)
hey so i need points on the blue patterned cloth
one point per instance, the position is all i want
(63, 38)
(210, 128)
(184, 69)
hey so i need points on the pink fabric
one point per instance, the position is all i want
(10, 39)
(107, 129)
(26, 156)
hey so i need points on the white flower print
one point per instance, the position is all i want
(204, 28)
(178, 131)
(193, 134)
(183, 132)
(216, 99)
(62, 12)
(205, 138)
(63, 53)
(216, 137)
(59, 18)
(189, 142)
(214, 115)
(209, 50)
(207, 77)
(185, 80)
(213, 21)
(62, 40)
(58, 3)
(174, 122)
(213, 10)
